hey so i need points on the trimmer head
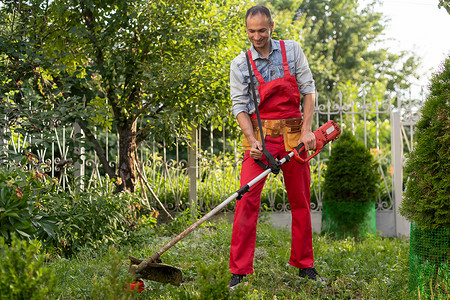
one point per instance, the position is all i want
(156, 272)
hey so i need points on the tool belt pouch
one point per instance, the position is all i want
(245, 142)
(289, 128)
(291, 133)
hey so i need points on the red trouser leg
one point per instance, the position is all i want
(297, 181)
(245, 219)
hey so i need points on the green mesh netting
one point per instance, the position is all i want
(348, 219)
(429, 262)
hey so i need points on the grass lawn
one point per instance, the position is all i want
(373, 268)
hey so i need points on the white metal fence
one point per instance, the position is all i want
(210, 170)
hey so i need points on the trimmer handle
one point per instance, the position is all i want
(326, 133)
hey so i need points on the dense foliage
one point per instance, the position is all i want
(350, 189)
(90, 219)
(134, 67)
(21, 192)
(427, 194)
(351, 174)
(33, 207)
(23, 271)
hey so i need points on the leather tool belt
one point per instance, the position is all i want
(290, 129)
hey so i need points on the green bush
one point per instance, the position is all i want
(20, 213)
(91, 218)
(32, 207)
(351, 174)
(23, 274)
(350, 189)
(426, 201)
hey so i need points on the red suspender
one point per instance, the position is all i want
(285, 63)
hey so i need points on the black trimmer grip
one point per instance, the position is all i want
(299, 147)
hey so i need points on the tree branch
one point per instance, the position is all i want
(142, 134)
(98, 149)
(144, 108)
(89, 21)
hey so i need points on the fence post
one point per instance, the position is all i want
(78, 150)
(193, 167)
(402, 226)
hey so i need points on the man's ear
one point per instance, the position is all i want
(271, 28)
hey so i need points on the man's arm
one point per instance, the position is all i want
(240, 99)
(247, 128)
(239, 92)
(307, 88)
(307, 137)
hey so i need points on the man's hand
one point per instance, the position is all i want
(308, 139)
(256, 150)
(247, 128)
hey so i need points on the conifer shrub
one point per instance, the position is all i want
(350, 189)
(426, 202)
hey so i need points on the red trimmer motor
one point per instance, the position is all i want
(326, 133)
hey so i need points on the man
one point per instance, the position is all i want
(281, 73)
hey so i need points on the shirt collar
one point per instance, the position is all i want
(256, 55)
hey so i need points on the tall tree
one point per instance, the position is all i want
(157, 63)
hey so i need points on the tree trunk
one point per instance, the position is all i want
(127, 157)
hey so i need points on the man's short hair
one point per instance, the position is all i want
(259, 9)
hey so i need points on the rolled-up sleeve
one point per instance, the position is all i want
(238, 90)
(303, 74)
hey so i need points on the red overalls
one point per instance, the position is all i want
(279, 99)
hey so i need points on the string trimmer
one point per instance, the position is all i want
(153, 269)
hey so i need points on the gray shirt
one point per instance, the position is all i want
(270, 68)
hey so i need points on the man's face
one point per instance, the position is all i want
(258, 30)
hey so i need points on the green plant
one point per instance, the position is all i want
(32, 206)
(112, 285)
(92, 218)
(426, 201)
(350, 189)
(23, 273)
(211, 283)
(20, 210)
(351, 175)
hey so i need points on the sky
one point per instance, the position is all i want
(419, 26)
